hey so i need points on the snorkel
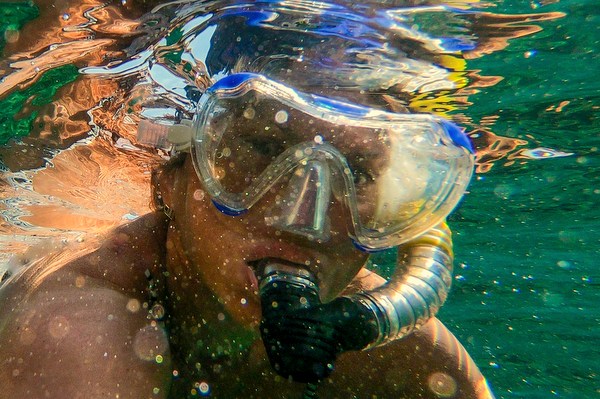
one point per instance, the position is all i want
(303, 336)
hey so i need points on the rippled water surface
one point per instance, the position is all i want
(521, 76)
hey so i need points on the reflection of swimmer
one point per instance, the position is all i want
(168, 305)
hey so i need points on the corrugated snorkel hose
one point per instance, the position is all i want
(417, 289)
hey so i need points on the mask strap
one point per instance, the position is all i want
(178, 136)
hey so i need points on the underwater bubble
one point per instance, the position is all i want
(564, 264)
(442, 385)
(503, 191)
(133, 305)
(11, 35)
(249, 113)
(157, 312)
(27, 336)
(204, 388)
(59, 327)
(150, 342)
(281, 117)
(79, 281)
(199, 195)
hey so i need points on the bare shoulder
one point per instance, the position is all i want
(430, 363)
(82, 330)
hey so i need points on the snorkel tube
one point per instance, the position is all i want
(303, 336)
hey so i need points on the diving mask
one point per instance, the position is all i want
(396, 175)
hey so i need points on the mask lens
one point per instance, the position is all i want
(397, 175)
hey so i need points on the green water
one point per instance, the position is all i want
(526, 304)
(40, 93)
(526, 297)
(13, 16)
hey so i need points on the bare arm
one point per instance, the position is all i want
(82, 331)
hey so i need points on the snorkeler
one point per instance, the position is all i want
(282, 189)
(249, 278)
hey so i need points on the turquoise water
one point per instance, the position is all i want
(528, 235)
(526, 294)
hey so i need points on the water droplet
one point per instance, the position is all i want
(563, 264)
(66, 17)
(11, 35)
(133, 305)
(249, 113)
(281, 117)
(157, 312)
(59, 327)
(150, 342)
(503, 191)
(204, 388)
(199, 195)
(79, 281)
(442, 385)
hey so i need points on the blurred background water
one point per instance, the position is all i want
(526, 291)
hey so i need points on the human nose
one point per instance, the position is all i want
(303, 206)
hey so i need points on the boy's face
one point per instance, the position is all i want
(222, 248)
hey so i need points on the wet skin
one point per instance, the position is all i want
(84, 329)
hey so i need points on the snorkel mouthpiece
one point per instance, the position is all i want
(302, 335)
